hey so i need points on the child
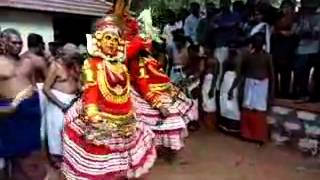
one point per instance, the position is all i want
(256, 71)
(179, 56)
(191, 83)
(208, 90)
(229, 108)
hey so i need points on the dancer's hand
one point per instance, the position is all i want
(164, 111)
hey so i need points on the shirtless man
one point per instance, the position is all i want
(256, 71)
(35, 58)
(61, 87)
(20, 119)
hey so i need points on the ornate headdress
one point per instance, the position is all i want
(110, 24)
(148, 31)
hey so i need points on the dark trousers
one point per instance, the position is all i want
(302, 70)
(315, 92)
(283, 70)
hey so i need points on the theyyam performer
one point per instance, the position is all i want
(158, 103)
(102, 139)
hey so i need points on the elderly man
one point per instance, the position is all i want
(20, 118)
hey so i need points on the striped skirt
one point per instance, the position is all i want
(117, 157)
(170, 131)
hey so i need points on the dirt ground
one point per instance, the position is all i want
(215, 156)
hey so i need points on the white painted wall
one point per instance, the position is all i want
(28, 22)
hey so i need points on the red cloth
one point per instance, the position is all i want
(254, 125)
(92, 94)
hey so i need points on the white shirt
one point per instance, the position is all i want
(168, 29)
(190, 27)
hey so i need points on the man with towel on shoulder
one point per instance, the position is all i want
(61, 87)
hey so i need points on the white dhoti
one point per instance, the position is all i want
(255, 94)
(221, 54)
(43, 105)
(54, 122)
(208, 103)
(229, 108)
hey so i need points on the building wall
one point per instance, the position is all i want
(28, 22)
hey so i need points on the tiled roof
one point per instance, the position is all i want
(83, 7)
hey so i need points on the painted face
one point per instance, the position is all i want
(109, 44)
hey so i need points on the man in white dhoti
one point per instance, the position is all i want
(60, 87)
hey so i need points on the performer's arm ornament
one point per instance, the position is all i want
(90, 93)
(142, 69)
(88, 75)
(91, 110)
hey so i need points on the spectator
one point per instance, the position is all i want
(283, 46)
(54, 47)
(307, 28)
(256, 71)
(179, 56)
(229, 120)
(239, 8)
(182, 15)
(228, 25)
(315, 95)
(36, 56)
(60, 87)
(20, 130)
(227, 30)
(191, 22)
(208, 90)
(259, 25)
(170, 27)
(206, 27)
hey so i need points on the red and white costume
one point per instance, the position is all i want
(102, 140)
(151, 90)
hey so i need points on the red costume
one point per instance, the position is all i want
(152, 90)
(102, 140)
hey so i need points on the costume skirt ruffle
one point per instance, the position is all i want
(117, 157)
(170, 131)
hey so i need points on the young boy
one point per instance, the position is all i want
(229, 120)
(208, 90)
(256, 71)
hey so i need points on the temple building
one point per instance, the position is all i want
(55, 20)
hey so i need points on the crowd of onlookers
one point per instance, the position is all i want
(291, 36)
(235, 59)
(274, 52)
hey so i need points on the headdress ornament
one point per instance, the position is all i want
(111, 24)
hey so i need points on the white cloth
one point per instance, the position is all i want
(221, 54)
(229, 108)
(43, 105)
(54, 122)
(168, 29)
(263, 27)
(256, 94)
(208, 104)
(2, 163)
(190, 27)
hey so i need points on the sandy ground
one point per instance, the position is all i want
(215, 156)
